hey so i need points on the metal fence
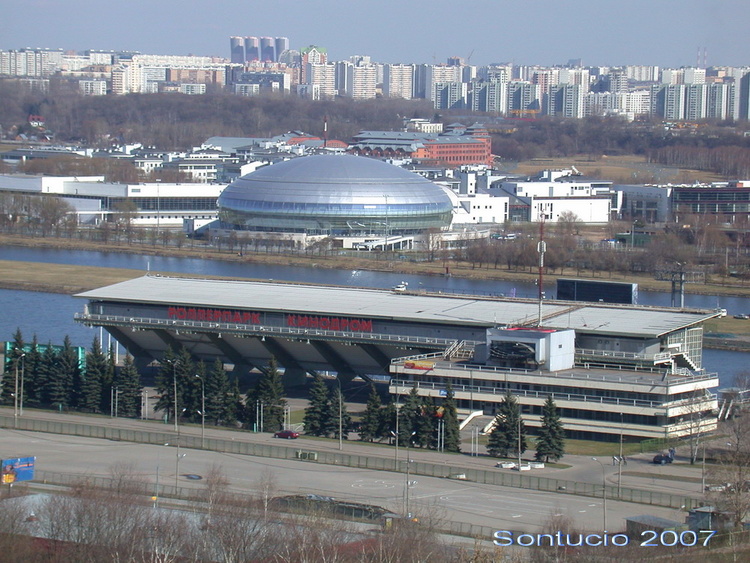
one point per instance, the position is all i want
(308, 455)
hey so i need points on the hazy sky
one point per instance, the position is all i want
(601, 32)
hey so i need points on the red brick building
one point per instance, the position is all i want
(458, 146)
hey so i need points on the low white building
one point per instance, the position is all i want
(158, 204)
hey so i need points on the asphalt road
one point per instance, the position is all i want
(460, 501)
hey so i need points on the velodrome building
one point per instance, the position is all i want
(610, 368)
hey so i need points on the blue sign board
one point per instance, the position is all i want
(17, 469)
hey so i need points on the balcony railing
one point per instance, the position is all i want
(557, 396)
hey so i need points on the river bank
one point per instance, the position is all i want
(353, 261)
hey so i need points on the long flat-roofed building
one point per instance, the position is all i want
(643, 364)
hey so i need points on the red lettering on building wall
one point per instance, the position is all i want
(329, 323)
(213, 315)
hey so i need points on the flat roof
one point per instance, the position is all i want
(385, 304)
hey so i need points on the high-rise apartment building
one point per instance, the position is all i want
(267, 49)
(490, 95)
(640, 73)
(237, 49)
(398, 81)
(696, 98)
(440, 74)
(524, 98)
(617, 81)
(450, 95)
(309, 56)
(322, 75)
(566, 100)
(281, 44)
(252, 49)
(717, 100)
(31, 62)
(694, 75)
(668, 101)
(360, 81)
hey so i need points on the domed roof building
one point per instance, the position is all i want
(334, 195)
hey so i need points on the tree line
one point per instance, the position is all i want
(55, 377)
(172, 121)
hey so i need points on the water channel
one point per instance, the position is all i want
(50, 316)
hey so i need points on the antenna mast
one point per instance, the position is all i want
(541, 248)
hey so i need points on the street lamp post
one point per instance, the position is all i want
(604, 493)
(15, 392)
(173, 363)
(406, 491)
(203, 411)
(619, 463)
(341, 422)
(23, 371)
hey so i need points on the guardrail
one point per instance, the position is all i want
(557, 396)
(145, 323)
(428, 469)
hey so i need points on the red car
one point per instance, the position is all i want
(288, 434)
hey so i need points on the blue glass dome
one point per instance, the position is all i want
(334, 194)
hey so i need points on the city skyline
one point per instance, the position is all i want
(667, 33)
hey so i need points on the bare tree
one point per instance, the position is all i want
(733, 471)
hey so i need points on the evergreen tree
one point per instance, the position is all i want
(14, 360)
(504, 439)
(340, 418)
(369, 429)
(318, 408)
(425, 424)
(177, 371)
(550, 445)
(107, 378)
(408, 418)
(270, 392)
(90, 393)
(449, 416)
(127, 383)
(32, 366)
(47, 377)
(238, 411)
(68, 368)
(218, 396)
(387, 421)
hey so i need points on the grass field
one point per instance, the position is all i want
(631, 169)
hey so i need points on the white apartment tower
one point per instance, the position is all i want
(398, 81)
(360, 81)
(440, 74)
(324, 76)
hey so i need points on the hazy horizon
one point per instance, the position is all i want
(667, 33)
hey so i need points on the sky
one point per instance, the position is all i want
(667, 33)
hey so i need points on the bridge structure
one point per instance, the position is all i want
(358, 332)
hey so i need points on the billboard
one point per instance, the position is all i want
(597, 291)
(17, 469)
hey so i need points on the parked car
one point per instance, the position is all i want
(742, 316)
(719, 488)
(662, 459)
(287, 434)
